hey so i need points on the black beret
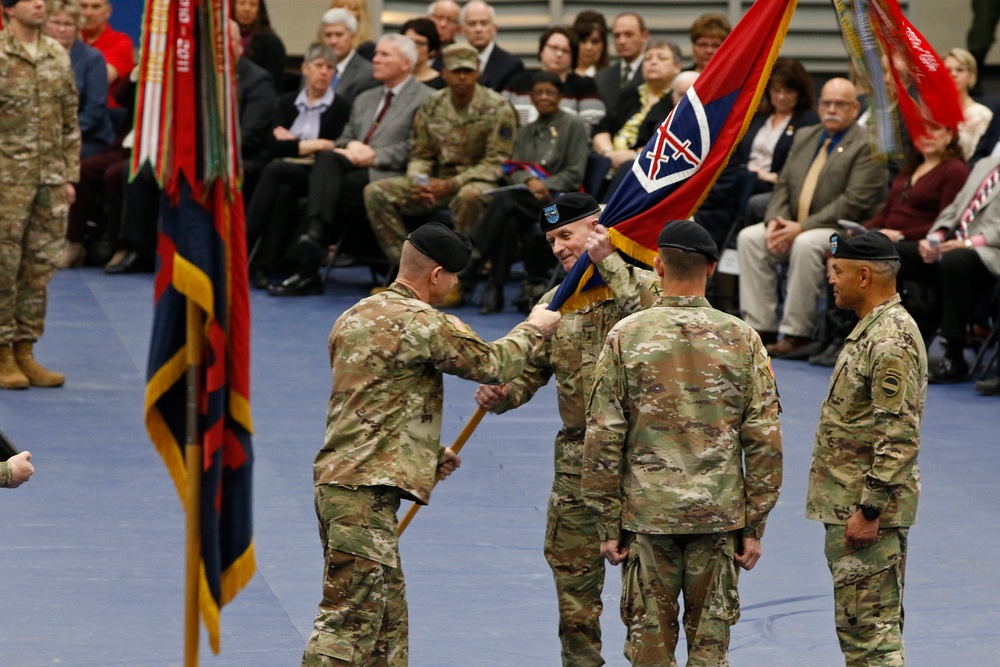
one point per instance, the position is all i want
(568, 208)
(688, 236)
(448, 248)
(10, 3)
(870, 245)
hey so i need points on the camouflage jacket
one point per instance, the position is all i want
(388, 353)
(683, 434)
(571, 354)
(463, 145)
(39, 134)
(5, 474)
(869, 427)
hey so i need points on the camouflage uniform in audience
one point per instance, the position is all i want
(388, 354)
(466, 147)
(682, 397)
(572, 545)
(39, 155)
(866, 450)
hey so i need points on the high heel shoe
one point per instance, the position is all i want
(71, 256)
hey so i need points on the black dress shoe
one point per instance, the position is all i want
(133, 262)
(492, 301)
(307, 250)
(807, 351)
(949, 371)
(990, 387)
(298, 285)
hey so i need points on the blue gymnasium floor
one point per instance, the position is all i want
(92, 547)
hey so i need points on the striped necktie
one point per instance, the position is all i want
(984, 190)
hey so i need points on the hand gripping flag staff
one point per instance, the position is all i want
(197, 406)
(679, 165)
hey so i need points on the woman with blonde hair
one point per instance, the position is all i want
(962, 67)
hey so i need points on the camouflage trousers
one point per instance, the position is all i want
(868, 597)
(362, 619)
(32, 229)
(657, 570)
(573, 551)
(388, 200)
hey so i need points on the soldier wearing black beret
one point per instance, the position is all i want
(864, 480)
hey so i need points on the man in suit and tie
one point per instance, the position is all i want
(354, 74)
(496, 66)
(630, 35)
(375, 144)
(829, 176)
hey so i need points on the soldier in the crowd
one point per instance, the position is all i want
(461, 136)
(388, 354)
(682, 460)
(572, 545)
(39, 162)
(16, 470)
(864, 480)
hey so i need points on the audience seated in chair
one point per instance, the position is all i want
(549, 159)
(628, 31)
(830, 175)
(353, 73)
(375, 144)
(259, 41)
(496, 66)
(591, 30)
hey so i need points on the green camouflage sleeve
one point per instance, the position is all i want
(423, 154)
(895, 387)
(72, 139)
(603, 450)
(535, 376)
(760, 437)
(634, 289)
(499, 147)
(453, 348)
(5, 474)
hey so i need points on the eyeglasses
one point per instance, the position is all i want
(446, 19)
(836, 104)
(559, 50)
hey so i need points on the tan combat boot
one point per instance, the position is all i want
(37, 375)
(11, 376)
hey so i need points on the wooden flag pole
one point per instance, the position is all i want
(456, 447)
(193, 459)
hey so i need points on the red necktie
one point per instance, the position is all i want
(985, 188)
(379, 117)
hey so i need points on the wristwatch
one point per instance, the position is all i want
(968, 243)
(870, 513)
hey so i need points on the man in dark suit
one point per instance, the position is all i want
(305, 123)
(354, 74)
(375, 144)
(630, 36)
(496, 66)
(829, 176)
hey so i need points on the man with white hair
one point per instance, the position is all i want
(375, 144)
(496, 66)
(446, 15)
(339, 29)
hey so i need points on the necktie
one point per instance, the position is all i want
(626, 71)
(379, 117)
(335, 79)
(812, 178)
(984, 190)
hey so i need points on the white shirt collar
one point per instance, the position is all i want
(484, 55)
(342, 65)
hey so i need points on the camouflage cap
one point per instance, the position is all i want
(868, 246)
(460, 56)
(446, 247)
(568, 208)
(688, 236)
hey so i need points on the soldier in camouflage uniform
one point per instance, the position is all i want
(864, 480)
(16, 470)
(461, 136)
(39, 160)
(388, 353)
(572, 545)
(682, 459)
